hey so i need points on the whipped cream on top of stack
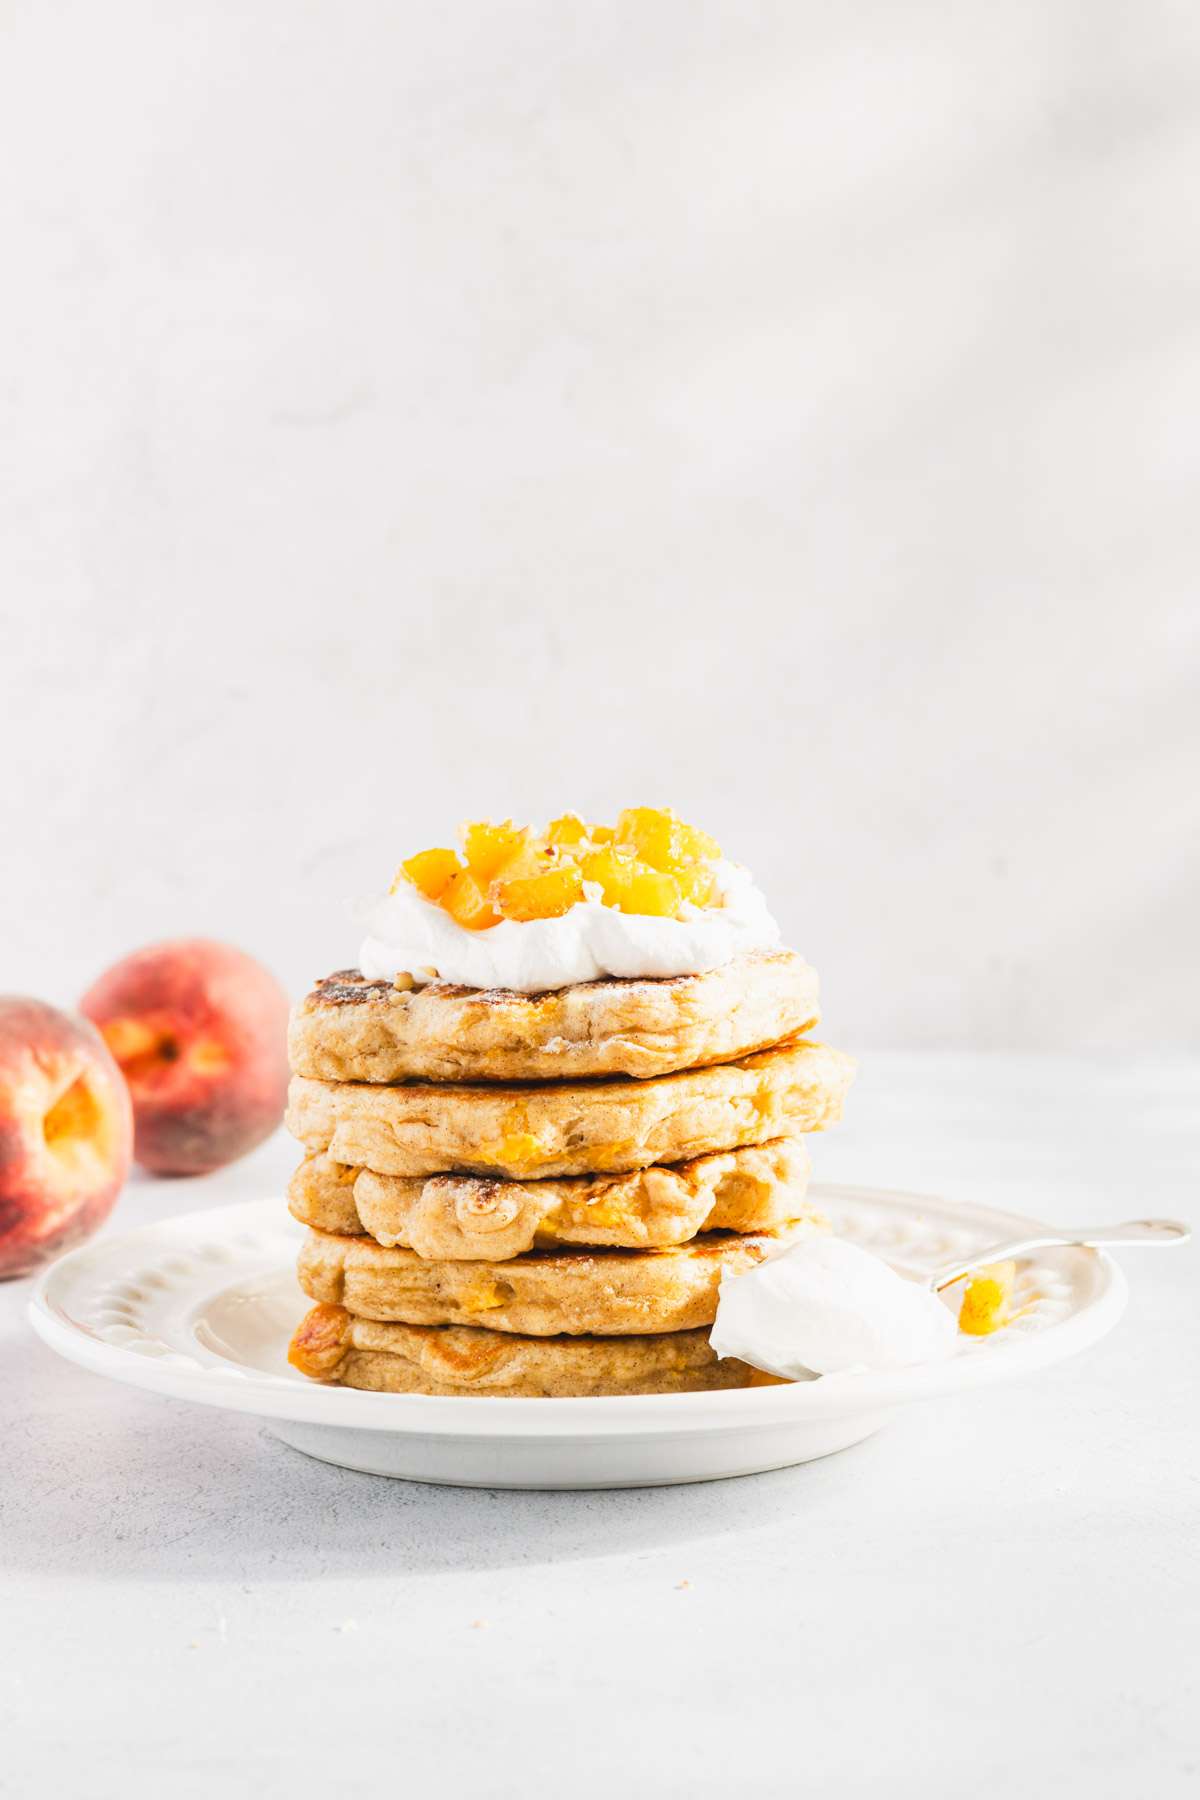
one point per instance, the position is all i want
(408, 933)
(534, 911)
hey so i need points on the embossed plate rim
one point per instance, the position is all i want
(84, 1307)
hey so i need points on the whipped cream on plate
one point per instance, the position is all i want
(825, 1307)
(405, 933)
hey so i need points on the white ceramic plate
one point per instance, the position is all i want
(201, 1308)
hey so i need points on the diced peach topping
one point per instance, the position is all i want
(697, 846)
(663, 840)
(568, 829)
(631, 886)
(487, 846)
(531, 858)
(696, 883)
(650, 863)
(610, 870)
(651, 891)
(546, 896)
(650, 834)
(466, 901)
(430, 871)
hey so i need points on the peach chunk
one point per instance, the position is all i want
(629, 885)
(529, 858)
(987, 1300)
(545, 896)
(568, 830)
(662, 839)
(199, 1030)
(610, 869)
(649, 863)
(429, 871)
(697, 883)
(66, 1132)
(487, 846)
(650, 891)
(466, 901)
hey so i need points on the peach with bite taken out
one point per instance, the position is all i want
(200, 1032)
(66, 1132)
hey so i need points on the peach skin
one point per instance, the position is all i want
(199, 1030)
(66, 1132)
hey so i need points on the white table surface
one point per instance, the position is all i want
(998, 1595)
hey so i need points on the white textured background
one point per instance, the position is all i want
(788, 412)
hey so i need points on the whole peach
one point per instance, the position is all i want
(200, 1032)
(66, 1132)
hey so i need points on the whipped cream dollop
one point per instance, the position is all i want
(405, 933)
(824, 1307)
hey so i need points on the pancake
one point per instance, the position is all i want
(543, 1293)
(332, 1345)
(352, 1029)
(571, 1128)
(476, 1218)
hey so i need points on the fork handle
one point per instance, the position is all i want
(1133, 1231)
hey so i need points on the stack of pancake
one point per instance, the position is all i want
(538, 1194)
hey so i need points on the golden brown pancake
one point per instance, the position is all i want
(330, 1344)
(543, 1293)
(524, 1132)
(477, 1218)
(352, 1029)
